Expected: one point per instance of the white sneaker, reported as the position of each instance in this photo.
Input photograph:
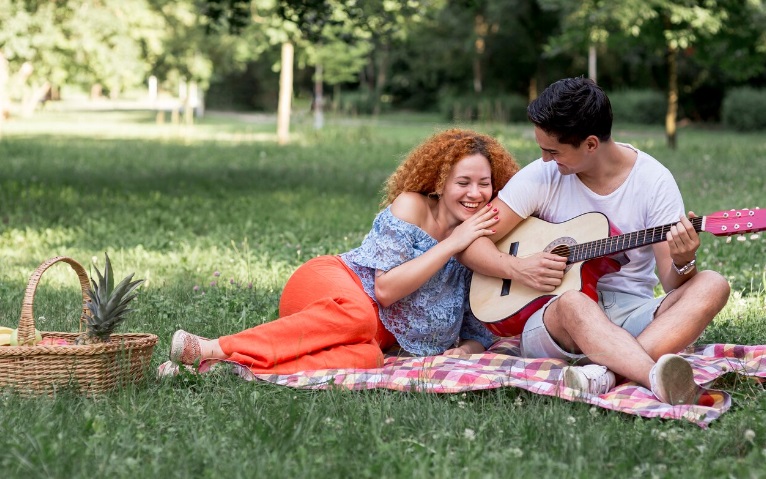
(591, 378)
(672, 380)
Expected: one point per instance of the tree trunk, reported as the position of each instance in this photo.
(380, 77)
(318, 99)
(5, 98)
(190, 102)
(480, 28)
(532, 88)
(336, 97)
(476, 75)
(672, 113)
(285, 94)
(33, 98)
(592, 59)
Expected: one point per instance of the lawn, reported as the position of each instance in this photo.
(216, 216)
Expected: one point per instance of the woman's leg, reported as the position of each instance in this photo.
(327, 321)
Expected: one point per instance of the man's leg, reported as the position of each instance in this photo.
(578, 325)
(684, 314)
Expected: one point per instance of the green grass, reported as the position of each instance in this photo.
(177, 204)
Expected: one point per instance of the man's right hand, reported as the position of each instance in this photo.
(541, 271)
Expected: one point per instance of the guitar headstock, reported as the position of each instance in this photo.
(735, 222)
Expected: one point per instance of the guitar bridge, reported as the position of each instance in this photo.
(505, 290)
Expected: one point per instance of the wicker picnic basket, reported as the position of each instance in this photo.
(90, 369)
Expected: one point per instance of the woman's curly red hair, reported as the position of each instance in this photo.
(425, 169)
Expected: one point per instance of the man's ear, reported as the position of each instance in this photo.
(592, 143)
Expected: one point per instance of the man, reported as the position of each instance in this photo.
(628, 332)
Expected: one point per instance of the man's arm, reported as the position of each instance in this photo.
(679, 249)
(541, 271)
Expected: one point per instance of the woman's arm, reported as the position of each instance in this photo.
(398, 282)
(541, 271)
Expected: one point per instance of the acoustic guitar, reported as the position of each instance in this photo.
(592, 250)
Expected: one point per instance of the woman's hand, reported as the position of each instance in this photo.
(478, 225)
(466, 347)
(402, 280)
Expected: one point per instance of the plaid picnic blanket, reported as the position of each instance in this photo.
(502, 366)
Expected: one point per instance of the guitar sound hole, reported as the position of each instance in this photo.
(561, 247)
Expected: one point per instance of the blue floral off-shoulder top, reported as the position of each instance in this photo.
(430, 320)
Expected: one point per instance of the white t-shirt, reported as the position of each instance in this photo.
(649, 197)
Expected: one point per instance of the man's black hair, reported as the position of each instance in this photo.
(572, 109)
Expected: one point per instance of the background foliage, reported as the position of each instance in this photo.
(410, 54)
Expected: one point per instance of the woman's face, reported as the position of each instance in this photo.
(468, 186)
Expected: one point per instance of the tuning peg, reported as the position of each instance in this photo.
(728, 239)
(754, 236)
(741, 238)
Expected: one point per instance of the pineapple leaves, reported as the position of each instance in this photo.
(108, 305)
(108, 275)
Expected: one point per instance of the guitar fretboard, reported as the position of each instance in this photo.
(624, 242)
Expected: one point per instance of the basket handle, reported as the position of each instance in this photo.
(26, 333)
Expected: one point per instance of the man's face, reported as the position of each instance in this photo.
(568, 158)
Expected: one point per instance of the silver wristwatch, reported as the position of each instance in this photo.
(685, 269)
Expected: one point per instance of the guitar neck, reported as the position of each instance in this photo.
(624, 242)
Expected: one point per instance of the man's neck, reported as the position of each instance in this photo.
(611, 167)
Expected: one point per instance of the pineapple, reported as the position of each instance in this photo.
(108, 305)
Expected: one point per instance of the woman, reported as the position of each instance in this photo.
(402, 285)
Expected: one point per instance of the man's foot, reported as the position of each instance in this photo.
(672, 380)
(591, 378)
(185, 347)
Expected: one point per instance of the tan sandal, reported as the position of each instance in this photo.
(185, 347)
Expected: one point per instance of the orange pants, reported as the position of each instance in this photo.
(326, 321)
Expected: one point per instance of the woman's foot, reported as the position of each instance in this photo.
(186, 348)
(169, 368)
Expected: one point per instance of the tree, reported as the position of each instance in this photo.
(113, 44)
(669, 26)
(340, 62)
(318, 25)
(476, 46)
(334, 44)
(533, 23)
(335, 62)
(79, 42)
(368, 25)
(274, 24)
(737, 53)
(228, 35)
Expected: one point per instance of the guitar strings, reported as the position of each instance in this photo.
(623, 242)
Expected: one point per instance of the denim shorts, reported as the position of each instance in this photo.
(628, 311)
